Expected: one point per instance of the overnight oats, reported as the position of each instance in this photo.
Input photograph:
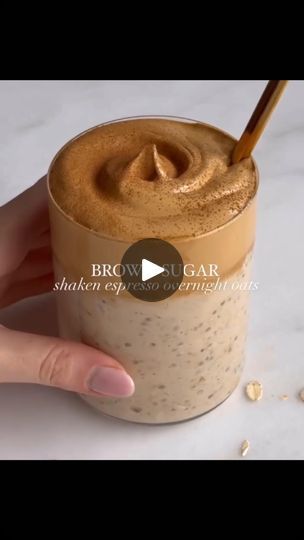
(169, 179)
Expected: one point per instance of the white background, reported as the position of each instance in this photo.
(36, 118)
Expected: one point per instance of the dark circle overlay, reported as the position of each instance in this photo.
(158, 287)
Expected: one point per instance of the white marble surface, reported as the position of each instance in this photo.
(36, 118)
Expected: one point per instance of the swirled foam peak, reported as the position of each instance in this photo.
(151, 178)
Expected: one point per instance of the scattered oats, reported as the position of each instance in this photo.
(301, 394)
(254, 390)
(245, 447)
(284, 397)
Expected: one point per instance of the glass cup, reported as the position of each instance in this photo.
(185, 353)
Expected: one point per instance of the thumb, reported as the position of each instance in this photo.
(29, 358)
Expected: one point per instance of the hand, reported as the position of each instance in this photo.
(26, 270)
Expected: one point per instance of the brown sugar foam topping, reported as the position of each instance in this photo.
(151, 178)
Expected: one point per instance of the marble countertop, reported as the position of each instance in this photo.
(36, 119)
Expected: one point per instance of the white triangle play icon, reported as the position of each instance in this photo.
(149, 269)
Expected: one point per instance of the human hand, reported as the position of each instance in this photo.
(26, 270)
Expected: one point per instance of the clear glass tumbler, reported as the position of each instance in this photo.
(185, 353)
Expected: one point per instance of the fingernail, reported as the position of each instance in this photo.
(110, 381)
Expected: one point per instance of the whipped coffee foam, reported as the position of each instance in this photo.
(151, 178)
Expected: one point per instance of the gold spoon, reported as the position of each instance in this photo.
(258, 120)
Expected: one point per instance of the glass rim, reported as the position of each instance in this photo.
(180, 239)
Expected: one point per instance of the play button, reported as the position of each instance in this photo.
(152, 270)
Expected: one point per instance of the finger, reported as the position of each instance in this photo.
(30, 358)
(21, 220)
(41, 241)
(37, 263)
(24, 289)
